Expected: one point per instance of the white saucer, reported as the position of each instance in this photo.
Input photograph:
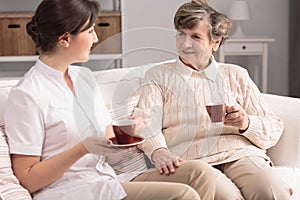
(138, 141)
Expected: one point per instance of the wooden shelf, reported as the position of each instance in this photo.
(105, 56)
(17, 58)
(34, 58)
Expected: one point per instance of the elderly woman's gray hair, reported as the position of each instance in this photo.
(189, 14)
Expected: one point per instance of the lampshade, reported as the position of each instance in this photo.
(239, 10)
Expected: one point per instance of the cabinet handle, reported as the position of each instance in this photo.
(244, 47)
(103, 24)
(14, 26)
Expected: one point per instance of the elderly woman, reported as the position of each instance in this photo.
(174, 100)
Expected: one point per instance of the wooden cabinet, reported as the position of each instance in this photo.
(249, 46)
(108, 29)
(14, 41)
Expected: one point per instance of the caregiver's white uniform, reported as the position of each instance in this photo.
(44, 118)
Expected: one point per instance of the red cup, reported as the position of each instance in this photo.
(124, 131)
(216, 112)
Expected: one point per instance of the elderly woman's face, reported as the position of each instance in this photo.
(194, 46)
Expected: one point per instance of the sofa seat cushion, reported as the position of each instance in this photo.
(10, 189)
(291, 175)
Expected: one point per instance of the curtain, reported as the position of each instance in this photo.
(294, 51)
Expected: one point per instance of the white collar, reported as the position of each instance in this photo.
(210, 72)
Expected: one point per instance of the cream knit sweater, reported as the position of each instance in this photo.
(173, 103)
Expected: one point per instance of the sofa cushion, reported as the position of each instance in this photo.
(5, 87)
(291, 175)
(120, 88)
(10, 189)
(287, 151)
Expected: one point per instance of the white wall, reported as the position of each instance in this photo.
(148, 33)
(269, 19)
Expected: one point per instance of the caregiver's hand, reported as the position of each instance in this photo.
(99, 146)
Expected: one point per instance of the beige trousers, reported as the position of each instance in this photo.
(192, 180)
(250, 178)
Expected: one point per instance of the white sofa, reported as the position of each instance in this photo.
(118, 87)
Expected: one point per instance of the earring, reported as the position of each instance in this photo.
(65, 44)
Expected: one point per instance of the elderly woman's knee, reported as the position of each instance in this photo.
(267, 192)
(198, 168)
(188, 193)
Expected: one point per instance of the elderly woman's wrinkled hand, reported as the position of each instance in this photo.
(165, 161)
(236, 116)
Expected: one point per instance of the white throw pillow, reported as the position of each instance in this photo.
(10, 189)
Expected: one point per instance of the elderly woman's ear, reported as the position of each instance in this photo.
(217, 44)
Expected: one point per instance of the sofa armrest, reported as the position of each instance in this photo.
(287, 151)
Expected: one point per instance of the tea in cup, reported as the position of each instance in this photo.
(216, 112)
(124, 131)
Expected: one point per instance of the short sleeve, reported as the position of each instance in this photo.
(23, 124)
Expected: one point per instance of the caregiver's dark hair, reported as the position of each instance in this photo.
(53, 18)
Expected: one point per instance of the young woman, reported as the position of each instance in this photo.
(56, 120)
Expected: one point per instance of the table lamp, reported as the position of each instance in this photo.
(239, 12)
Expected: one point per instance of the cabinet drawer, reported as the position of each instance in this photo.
(243, 47)
(14, 40)
(108, 29)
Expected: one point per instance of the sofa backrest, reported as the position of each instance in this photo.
(5, 86)
(287, 151)
(119, 88)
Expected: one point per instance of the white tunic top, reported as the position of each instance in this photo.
(44, 118)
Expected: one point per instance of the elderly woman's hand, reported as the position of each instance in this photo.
(237, 117)
(165, 161)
